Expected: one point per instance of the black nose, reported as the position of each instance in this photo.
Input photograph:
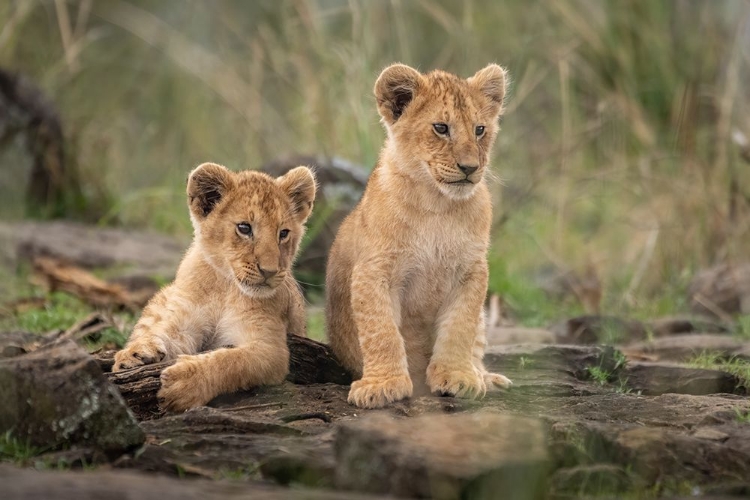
(267, 273)
(467, 170)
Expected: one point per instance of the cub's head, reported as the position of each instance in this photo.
(248, 225)
(441, 127)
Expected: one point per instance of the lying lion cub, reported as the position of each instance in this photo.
(233, 288)
(407, 274)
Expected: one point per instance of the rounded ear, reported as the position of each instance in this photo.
(206, 186)
(491, 81)
(299, 186)
(394, 90)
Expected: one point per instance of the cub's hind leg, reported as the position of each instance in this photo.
(169, 326)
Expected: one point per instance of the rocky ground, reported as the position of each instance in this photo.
(579, 421)
(664, 415)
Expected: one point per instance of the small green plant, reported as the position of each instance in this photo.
(742, 417)
(523, 362)
(251, 471)
(13, 449)
(620, 360)
(599, 375)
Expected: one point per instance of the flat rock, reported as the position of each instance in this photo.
(475, 455)
(597, 329)
(654, 378)
(550, 370)
(58, 395)
(500, 335)
(21, 484)
(684, 347)
(673, 325)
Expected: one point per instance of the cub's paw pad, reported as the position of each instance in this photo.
(462, 383)
(138, 354)
(182, 386)
(495, 380)
(376, 392)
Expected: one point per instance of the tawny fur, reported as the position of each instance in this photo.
(407, 274)
(231, 289)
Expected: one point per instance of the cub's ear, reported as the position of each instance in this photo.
(491, 81)
(206, 185)
(394, 90)
(299, 185)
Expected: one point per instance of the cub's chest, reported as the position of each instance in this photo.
(437, 251)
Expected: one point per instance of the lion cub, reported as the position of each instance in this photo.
(407, 274)
(234, 287)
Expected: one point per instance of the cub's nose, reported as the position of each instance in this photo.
(267, 273)
(467, 170)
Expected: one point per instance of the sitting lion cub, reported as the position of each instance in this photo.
(407, 274)
(234, 287)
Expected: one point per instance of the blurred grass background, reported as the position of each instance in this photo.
(616, 154)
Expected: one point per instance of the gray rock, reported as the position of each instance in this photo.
(58, 395)
(686, 346)
(478, 456)
(19, 484)
(660, 378)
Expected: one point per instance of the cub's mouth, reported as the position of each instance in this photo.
(260, 290)
(462, 181)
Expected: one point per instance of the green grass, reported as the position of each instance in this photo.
(609, 160)
(60, 312)
(16, 450)
(742, 417)
(599, 375)
(743, 326)
(740, 368)
(316, 324)
(249, 472)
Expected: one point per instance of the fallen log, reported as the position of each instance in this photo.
(310, 362)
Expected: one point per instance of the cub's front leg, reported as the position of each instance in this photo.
(262, 358)
(455, 367)
(163, 332)
(385, 374)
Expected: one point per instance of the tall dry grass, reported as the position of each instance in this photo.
(616, 151)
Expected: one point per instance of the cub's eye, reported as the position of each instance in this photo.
(244, 228)
(479, 130)
(440, 128)
(283, 234)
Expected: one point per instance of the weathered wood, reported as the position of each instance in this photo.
(310, 362)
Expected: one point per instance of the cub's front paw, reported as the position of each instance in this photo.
(376, 392)
(463, 382)
(139, 352)
(183, 385)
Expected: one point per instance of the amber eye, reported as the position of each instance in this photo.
(244, 228)
(440, 128)
(283, 234)
(479, 130)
